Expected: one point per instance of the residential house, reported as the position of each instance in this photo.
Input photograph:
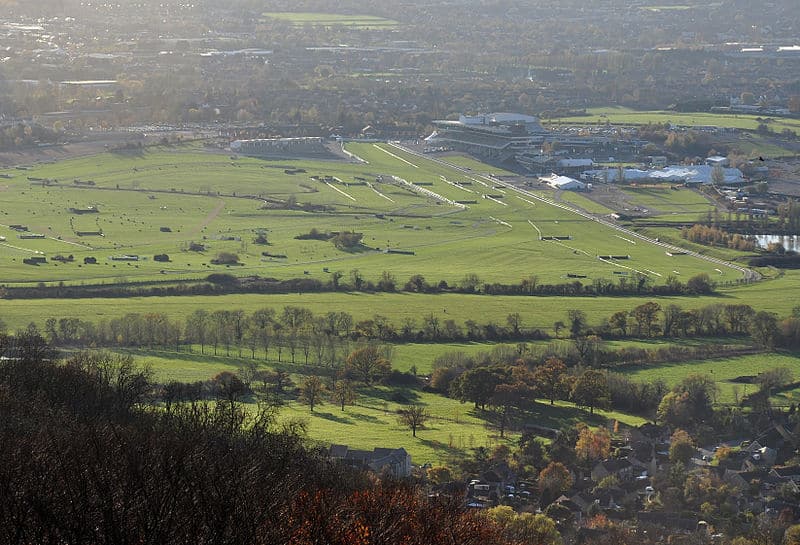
(787, 472)
(397, 462)
(621, 468)
(673, 521)
(653, 434)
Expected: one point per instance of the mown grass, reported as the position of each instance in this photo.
(160, 200)
(666, 200)
(465, 161)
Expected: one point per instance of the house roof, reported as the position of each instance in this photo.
(613, 465)
(377, 457)
(787, 471)
(669, 520)
(653, 431)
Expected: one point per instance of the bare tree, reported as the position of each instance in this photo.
(343, 392)
(312, 392)
(414, 417)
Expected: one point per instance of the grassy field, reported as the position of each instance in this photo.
(627, 116)
(668, 202)
(331, 19)
(723, 371)
(456, 426)
(771, 295)
(465, 161)
(160, 200)
(372, 421)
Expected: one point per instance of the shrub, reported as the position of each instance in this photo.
(225, 258)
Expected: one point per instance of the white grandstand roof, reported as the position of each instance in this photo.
(696, 174)
(499, 118)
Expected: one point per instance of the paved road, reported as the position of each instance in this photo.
(749, 274)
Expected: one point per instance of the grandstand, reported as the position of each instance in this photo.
(283, 147)
(500, 137)
(497, 136)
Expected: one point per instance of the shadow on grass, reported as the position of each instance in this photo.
(392, 394)
(555, 416)
(334, 418)
(366, 418)
(439, 447)
(232, 360)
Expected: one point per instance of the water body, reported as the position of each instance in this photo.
(790, 242)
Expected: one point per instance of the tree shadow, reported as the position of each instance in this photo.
(334, 418)
(440, 447)
(556, 416)
(399, 395)
(366, 418)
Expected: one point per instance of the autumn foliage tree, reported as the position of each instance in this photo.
(555, 478)
(592, 445)
(551, 379)
(591, 390)
(681, 447)
(389, 513)
(367, 364)
(524, 527)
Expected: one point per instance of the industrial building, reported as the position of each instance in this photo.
(565, 183)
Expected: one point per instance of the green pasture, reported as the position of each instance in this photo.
(665, 201)
(627, 116)
(672, 235)
(332, 19)
(580, 201)
(723, 372)
(454, 428)
(755, 145)
(158, 201)
(777, 295)
(190, 364)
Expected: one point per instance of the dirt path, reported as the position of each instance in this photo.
(209, 218)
